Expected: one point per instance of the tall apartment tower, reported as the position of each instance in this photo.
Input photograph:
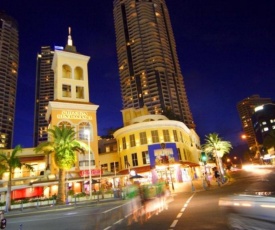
(246, 110)
(44, 93)
(150, 74)
(9, 61)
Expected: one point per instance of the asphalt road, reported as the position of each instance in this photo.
(197, 210)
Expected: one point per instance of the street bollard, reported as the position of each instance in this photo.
(21, 205)
(20, 227)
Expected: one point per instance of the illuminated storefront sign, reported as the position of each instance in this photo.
(86, 173)
(77, 115)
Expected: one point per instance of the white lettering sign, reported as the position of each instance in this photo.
(78, 115)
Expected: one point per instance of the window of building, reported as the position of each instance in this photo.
(179, 153)
(64, 124)
(143, 138)
(66, 71)
(181, 139)
(132, 140)
(80, 92)
(104, 167)
(264, 122)
(166, 136)
(114, 167)
(78, 73)
(155, 136)
(126, 162)
(145, 158)
(134, 159)
(123, 143)
(83, 128)
(175, 136)
(184, 153)
(66, 91)
(265, 129)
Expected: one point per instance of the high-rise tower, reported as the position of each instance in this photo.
(9, 58)
(246, 110)
(44, 93)
(149, 69)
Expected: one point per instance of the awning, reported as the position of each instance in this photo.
(138, 170)
(189, 164)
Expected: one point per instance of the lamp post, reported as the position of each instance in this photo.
(87, 132)
(258, 151)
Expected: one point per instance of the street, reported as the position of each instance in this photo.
(188, 210)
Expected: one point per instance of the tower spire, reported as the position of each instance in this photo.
(70, 41)
(70, 47)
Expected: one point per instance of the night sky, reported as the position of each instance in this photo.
(226, 50)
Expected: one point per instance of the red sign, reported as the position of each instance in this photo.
(86, 173)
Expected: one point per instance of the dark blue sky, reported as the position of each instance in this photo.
(226, 50)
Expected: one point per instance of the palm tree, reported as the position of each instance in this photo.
(63, 145)
(8, 164)
(215, 146)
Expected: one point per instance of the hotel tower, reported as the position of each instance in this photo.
(44, 93)
(149, 70)
(9, 57)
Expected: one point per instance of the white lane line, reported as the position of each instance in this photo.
(174, 224)
(118, 221)
(181, 212)
(107, 228)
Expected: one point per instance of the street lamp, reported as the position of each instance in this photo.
(87, 132)
(258, 151)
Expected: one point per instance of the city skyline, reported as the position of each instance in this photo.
(217, 45)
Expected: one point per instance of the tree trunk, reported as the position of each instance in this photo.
(8, 197)
(61, 199)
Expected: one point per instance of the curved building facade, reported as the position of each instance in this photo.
(153, 144)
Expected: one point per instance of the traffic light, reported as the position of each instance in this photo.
(203, 157)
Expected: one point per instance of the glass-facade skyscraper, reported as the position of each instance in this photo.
(9, 61)
(44, 93)
(149, 69)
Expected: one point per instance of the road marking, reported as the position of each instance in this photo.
(181, 212)
(174, 224)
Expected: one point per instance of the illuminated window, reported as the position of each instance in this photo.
(175, 135)
(79, 92)
(155, 136)
(132, 140)
(65, 124)
(145, 158)
(166, 136)
(66, 71)
(78, 73)
(123, 143)
(134, 159)
(143, 138)
(81, 130)
(66, 90)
